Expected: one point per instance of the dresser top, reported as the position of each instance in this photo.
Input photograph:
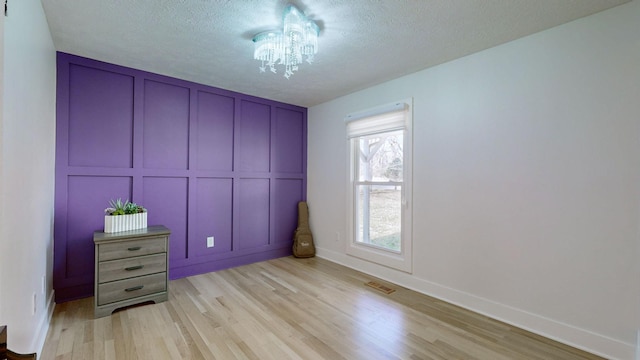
(156, 230)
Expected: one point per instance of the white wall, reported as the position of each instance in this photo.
(526, 181)
(27, 175)
(2, 242)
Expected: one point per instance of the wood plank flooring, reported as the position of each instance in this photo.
(290, 308)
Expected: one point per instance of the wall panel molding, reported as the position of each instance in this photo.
(203, 161)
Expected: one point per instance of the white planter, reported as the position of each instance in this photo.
(119, 223)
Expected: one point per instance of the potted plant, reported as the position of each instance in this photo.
(123, 216)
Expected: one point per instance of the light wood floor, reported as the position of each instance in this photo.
(290, 309)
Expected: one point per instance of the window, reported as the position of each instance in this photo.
(380, 185)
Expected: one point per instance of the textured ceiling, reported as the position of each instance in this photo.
(362, 42)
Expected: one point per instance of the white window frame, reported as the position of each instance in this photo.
(370, 122)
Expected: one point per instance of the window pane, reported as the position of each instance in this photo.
(380, 180)
(380, 157)
(379, 215)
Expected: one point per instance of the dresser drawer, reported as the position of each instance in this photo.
(131, 267)
(130, 248)
(131, 288)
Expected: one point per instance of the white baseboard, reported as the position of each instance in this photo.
(568, 334)
(43, 326)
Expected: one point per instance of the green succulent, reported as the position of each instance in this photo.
(118, 207)
(132, 208)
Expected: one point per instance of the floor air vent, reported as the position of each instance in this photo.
(380, 287)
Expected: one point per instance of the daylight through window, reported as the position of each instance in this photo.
(380, 151)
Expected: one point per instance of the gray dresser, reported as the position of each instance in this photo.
(131, 267)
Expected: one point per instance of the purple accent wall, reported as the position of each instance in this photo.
(254, 137)
(108, 97)
(203, 161)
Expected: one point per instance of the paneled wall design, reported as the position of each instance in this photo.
(203, 161)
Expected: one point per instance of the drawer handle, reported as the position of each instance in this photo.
(134, 288)
(134, 248)
(134, 268)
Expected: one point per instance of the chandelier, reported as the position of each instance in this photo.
(298, 39)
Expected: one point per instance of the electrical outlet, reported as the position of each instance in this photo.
(210, 241)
